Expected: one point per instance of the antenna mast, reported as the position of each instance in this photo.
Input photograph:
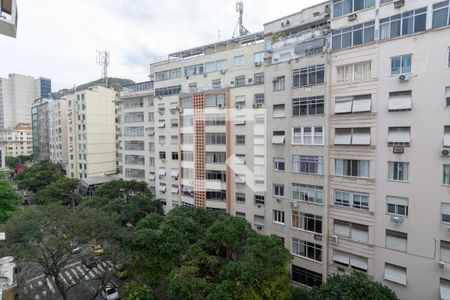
(241, 30)
(103, 62)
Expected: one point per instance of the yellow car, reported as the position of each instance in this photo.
(97, 249)
(120, 271)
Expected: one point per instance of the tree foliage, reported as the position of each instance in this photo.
(39, 176)
(60, 191)
(11, 161)
(121, 188)
(353, 286)
(9, 200)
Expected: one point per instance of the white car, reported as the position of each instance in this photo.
(110, 293)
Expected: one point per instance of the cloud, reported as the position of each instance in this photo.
(59, 39)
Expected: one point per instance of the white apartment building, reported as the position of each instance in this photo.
(91, 132)
(40, 123)
(57, 132)
(17, 141)
(17, 93)
(8, 18)
(352, 155)
(2, 158)
(389, 127)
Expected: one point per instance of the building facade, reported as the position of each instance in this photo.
(91, 133)
(18, 140)
(17, 93)
(40, 125)
(8, 18)
(57, 132)
(330, 129)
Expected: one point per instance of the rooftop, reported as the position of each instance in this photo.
(95, 180)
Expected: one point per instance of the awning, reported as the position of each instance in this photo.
(259, 220)
(278, 139)
(175, 190)
(162, 189)
(395, 274)
(399, 101)
(162, 172)
(173, 106)
(161, 124)
(174, 172)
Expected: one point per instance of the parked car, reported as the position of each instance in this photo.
(97, 249)
(110, 293)
(89, 261)
(120, 271)
(76, 250)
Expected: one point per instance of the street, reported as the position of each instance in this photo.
(45, 288)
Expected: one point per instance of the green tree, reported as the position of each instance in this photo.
(355, 286)
(122, 188)
(11, 161)
(60, 191)
(136, 291)
(9, 200)
(47, 234)
(39, 176)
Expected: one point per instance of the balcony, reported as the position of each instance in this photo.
(8, 17)
(137, 89)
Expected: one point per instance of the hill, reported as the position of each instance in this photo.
(115, 83)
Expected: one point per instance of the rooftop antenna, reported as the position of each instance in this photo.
(103, 62)
(242, 30)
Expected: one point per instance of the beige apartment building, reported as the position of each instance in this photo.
(40, 124)
(17, 140)
(91, 132)
(57, 132)
(339, 143)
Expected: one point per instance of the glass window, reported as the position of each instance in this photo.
(279, 83)
(398, 171)
(307, 249)
(308, 106)
(353, 35)
(403, 24)
(441, 14)
(309, 76)
(401, 64)
(239, 60)
(307, 164)
(356, 168)
(305, 276)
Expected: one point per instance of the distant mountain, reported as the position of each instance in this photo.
(115, 83)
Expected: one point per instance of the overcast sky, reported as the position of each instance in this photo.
(58, 39)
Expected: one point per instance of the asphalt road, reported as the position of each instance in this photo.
(41, 287)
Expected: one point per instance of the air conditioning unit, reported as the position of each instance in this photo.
(294, 204)
(334, 239)
(398, 149)
(259, 227)
(220, 105)
(250, 80)
(163, 160)
(278, 200)
(352, 17)
(442, 266)
(404, 77)
(237, 106)
(161, 112)
(399, 3)
(187, 77)
(205, 74)
(259, 205)
(255, 105)
(257, 64)
(396, 220)
(223, 71)
(231, 82)
(159, 97)
(180, 110)
(445, 152)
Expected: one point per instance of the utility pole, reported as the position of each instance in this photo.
(240, 30)
(103, 61)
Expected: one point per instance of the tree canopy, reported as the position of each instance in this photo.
(61, 191)
(11, 161)
(9, 200)
(39, 176)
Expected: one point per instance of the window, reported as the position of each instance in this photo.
(216, 175)
(241, 159)
(348, 167)
(216, 84)
(174, 140)
(401, 64)
(352, 136)
(308, 106)
(216, 195)
(447, 89)
(151, 147)
(151, 116)
(168, 74)
(397, 206)
(398, 171)
(308, 76)
(353, 35)
(445, 212)
(162, 155)
(396, 240)
(307, 222)
(278, 111)
(239, 120)
(447, 136)
(278, 83)
(239, 60)
(215, 138)
(278, 190)
(187, 138)
(350, 260)
(403, 24)
(186, 103)
(174, 155)
(134, 117)
(395, 274)
(343, 7)
(400, 100)
(240, 139)
(353, 104)
(351, 199)
(215, 100)
(354, 231)
(258, 139)
(214, 119)
(258, 78)
(278, 137)
(259, 100)
(240, 215)
(134, 131)
(240, 197)
(239, 80)
(134, 173)
(215, 157)
(307, 136)
(239, 101)
(259, 200)
(135, 159)
(134, 145)
(307, 249)
(446, 175)
(354, 72)
(278, 164)
(305, 276)
(217, 65)
(193, 70)
(307, 193)
(161, 123)
(399, 136)
(307, 164)
(278, 216)
(162, 139)
(445, 251)
(167, 91)
(173, 123)
(259, 57)
(441, 14)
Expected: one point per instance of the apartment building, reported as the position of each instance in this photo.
(8, 18)
(40, 123)
(17, 140)
(17, 93)
(388, 133)
(57, 132)
(296, 92)
(91, 132)
(2, 158)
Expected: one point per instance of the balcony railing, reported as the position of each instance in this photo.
(137, 88)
